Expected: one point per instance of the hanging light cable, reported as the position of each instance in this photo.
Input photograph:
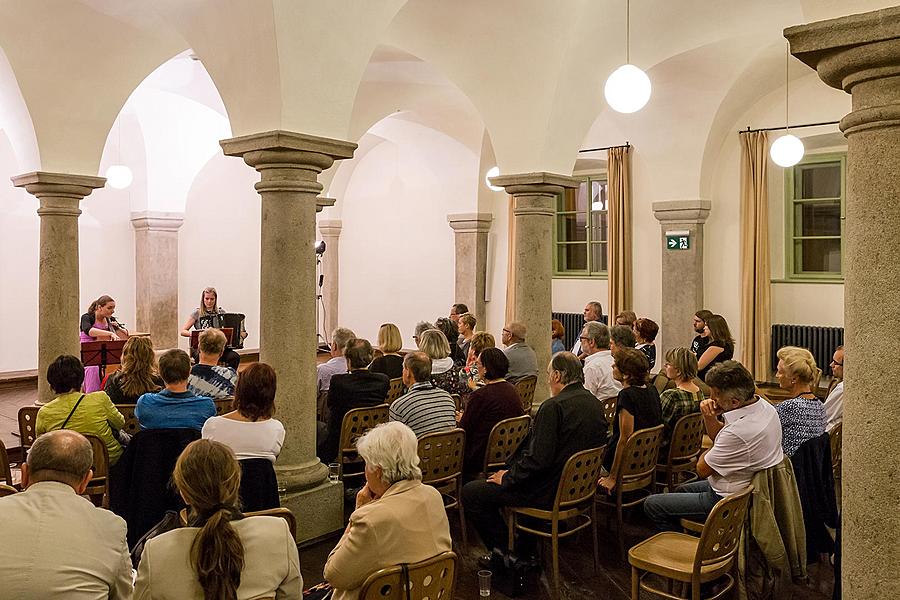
(628, 88)
(787, 150)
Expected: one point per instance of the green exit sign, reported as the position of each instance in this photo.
(678, 240)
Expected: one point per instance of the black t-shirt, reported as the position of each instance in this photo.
(643, 404)
(698, 346)
(727, 353)
(389, 364)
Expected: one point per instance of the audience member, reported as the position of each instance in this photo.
(451, 332)
(626, 318)
(469, 376)
(803, 415)
(398, 519)
(522, 359)
(645, 332)
(425, 408)
(208, 378)
(557, 333)
(684, 398)
(220, 554)
(389, 342)
(357, 389)
(567, 423)
(90, 414)
(749, 440)
(174, 407)
(466, 327)
(701, 341)
(421, 327)
(598, 361)
(593, 311)
(56, 544)
(136, 375)
(444, 373)
(637, 408)
(496, 400)
(249, 430)
(620, 337)
(456, 310)
(337, 363)
(720, 345)
(834, 403)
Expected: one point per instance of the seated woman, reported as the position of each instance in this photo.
(92, 413)
(719, 348)
(207, 315)
(645, 332)
(496, 400)
(466, 328)
(444, 374)
(220, 554)
(389, 342)
(557, 333)
(480, 341)
(451, 332)
(249, 430)
(803, 416)
(397, 519)
(137, 375)
(684, 398)
(637, 408)
(98, 324)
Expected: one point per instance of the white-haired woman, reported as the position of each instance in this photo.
(397, 519)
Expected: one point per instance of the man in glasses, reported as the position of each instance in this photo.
(834, 403)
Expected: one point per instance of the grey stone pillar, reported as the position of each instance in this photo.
(471, 237)
(58, 278)
(861, 55)
(156, 275)
(681, 301)
(534, 206)
(331, 234)
(289, 165)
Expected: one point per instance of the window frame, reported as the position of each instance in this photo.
(588, 242)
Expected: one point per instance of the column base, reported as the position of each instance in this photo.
(319, 510)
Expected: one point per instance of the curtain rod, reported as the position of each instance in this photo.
(748, 130)
(625, 145)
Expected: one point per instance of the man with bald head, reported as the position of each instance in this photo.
(56, 543)
(522, 359)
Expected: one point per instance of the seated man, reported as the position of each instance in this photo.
(834, 403)
(325, 371)
(748, 441)
(567, 423)
(598, 361)
(424, 408)
(522, 359)
(208, 378)
(357, 389)
(174, 407)
(593, 311)
(57, 544)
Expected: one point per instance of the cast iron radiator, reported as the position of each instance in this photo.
(574, 323)
(821, 341)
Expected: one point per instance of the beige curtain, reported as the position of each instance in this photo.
(619, 252)
(511, 265)
(755, 300)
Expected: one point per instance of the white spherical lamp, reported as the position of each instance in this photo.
(628, 89)
(119, 177)
(492, 172)
(786, 151)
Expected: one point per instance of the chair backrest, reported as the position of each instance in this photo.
(638, 467)
(5, 470)
(525, 387)
(395, 390)
(722, 530)
(131, 426)
(433, 578)
(579, 478)
(224, 405)
(835, 436)
(441, 456)
(504, 440)
(27, 422)
(358, 421)
(99, 483)
(7, 490)
(609, 408)
(282, 512)
(259, 485)
(687, 437)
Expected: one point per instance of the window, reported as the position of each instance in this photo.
(815, 191)
(580, 234)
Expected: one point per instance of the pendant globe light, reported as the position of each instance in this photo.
(119, 176)
(628, 88)
(492, 172)
(787, 150)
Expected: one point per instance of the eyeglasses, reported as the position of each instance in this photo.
(834, 362)
(583, 338)
(506, 331)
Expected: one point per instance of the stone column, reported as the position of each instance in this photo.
(331, 235)
(861, 55)
(534, 206)
(58, 285)
(471, 237)
(289, 165)
(156, 275)
(681, 301)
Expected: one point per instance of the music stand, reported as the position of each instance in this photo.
(102, 353)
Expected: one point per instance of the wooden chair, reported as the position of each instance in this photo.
(395, 390)
(98, 486)
(7, 490)
(684, 450)
(688, 559)
(282, 512)
(27, 423)
(504, 440)
(609, 410)
(433, 578)
(573, 502)
(525, 387)
(637, 473)
(224, 405)
(131, 423)
(357, 422)
(441, 460)
(5, 469)
(835, 436)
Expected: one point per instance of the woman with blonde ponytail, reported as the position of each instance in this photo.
(803, 415)
(220, 555)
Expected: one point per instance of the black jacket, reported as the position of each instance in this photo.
(356, 389)
(815, 482)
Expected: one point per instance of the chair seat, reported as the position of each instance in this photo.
(672, 555)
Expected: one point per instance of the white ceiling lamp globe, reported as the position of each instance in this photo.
(119, 177)
(786, 151)
(492, 172)
(628, 89)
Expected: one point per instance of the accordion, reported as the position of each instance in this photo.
(233, 321)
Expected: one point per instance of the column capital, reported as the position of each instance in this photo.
(149, 220)
(330, 227)
(59, 193)
(540, 182)
(322, 202)
(682, 211)
(470, 222)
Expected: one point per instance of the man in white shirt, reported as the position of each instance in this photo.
(592, 312)
(747, 442)
(598, 361)
(56, 543)
(522, 359)
(834, 403)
